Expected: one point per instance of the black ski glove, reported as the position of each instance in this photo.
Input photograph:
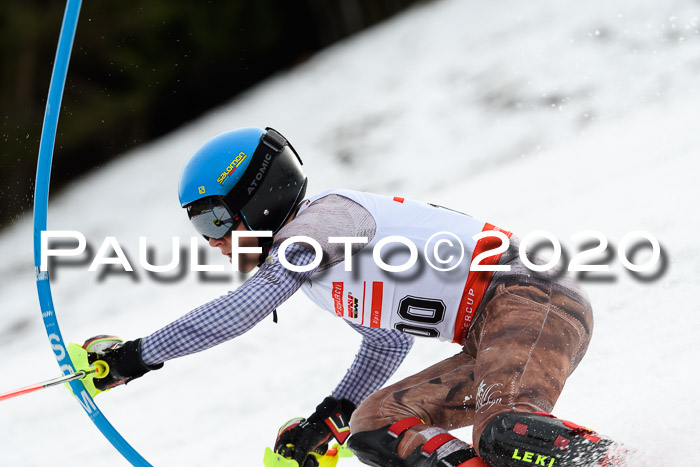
(299, 437)
(123, 358)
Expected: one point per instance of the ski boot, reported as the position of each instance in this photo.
(379, 448)
(539, 439)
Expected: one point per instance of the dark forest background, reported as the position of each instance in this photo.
(142, 68)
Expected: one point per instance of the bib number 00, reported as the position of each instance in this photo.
(418, 314)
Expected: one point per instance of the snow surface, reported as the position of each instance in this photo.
(563, 116)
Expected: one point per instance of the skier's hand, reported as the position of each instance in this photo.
(122, 358)
(299, 437)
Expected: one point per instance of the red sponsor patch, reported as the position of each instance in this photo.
(377, 297)
(338, 298)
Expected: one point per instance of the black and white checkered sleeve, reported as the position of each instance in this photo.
(380, 354)
(230, 315)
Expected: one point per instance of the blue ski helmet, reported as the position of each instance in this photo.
(247, 175)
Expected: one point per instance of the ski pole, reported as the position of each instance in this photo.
(99, 368)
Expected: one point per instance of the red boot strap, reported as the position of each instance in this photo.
(435, 442)
(398, 428)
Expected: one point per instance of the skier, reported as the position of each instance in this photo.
(522, 332)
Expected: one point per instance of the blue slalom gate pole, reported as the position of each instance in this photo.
(41, 199)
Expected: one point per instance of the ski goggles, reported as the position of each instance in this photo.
(212, 219)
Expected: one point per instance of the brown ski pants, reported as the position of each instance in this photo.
(519, 352)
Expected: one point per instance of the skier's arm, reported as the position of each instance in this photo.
(380, 354)
(210, 324)
(230, 315)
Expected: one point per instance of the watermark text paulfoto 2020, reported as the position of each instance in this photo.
(444, 251)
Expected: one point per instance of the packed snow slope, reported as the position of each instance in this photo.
(562, 116)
